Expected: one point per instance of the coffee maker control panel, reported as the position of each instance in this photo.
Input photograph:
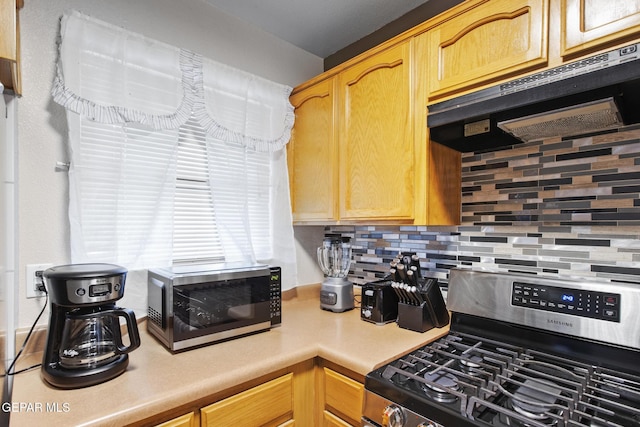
(97, 290)
(85, 284)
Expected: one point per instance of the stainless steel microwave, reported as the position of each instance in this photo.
(197, 305)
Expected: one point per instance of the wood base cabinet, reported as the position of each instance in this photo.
(330, 420)
(283, 398)
(267, 404)
(312, 393)
(186, 420)
(340, 396)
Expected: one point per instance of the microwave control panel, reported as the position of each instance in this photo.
(577, 302)
(275, 296)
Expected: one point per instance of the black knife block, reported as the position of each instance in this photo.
(414, 317)
(432, 313)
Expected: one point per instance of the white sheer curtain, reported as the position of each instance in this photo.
(127, 98)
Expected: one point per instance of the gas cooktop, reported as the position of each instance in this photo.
(528, 371)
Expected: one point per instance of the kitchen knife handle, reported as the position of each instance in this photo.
(393, 275)
(415, 266)
(411, 278)
(402, 273)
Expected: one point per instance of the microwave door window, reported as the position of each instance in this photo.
(206, 307)
(240, 312)
(203, 308)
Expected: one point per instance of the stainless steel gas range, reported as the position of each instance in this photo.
(522, 351)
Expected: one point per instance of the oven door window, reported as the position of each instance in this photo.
(207, 308)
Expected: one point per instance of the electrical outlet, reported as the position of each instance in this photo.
(34, 279)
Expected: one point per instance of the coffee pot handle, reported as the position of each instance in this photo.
(132, 328)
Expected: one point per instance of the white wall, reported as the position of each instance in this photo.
(8, 239)
(191, 24)
(4, 207)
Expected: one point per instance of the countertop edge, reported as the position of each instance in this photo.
(340, 338)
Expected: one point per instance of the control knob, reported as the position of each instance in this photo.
(392, 416)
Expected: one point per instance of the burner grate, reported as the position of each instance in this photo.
(498, 384)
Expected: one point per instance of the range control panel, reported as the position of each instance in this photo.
(577, 302)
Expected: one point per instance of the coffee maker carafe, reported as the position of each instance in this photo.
(84, 343)
(334, 257)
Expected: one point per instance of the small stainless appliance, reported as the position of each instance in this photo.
(84, 343)
(379, 302)
(522, 350)
(196, 305)
(334, 257)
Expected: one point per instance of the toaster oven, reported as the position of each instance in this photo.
(193, 306)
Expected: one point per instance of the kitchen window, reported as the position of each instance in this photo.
(174, 158)
(195, 235)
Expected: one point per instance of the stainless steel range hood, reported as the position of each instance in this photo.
(594, 94)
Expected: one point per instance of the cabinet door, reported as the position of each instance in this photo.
(342, 397)
(311, 154)
(10, 45)
(491, 40)
(592, 24)
(270, 403)
(376, 138)
(330, 420)
(187, 420)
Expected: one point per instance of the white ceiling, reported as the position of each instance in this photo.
(321, 27)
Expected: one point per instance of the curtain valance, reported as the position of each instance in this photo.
(162, 87)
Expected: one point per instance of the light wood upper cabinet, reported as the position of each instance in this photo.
(376, 140)
(488, 41)
(360, 149)
(10, 45)
(312, 154)
(588, 25)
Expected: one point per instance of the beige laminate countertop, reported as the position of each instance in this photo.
(157, 380)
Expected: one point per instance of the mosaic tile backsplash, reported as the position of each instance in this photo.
(568, 207)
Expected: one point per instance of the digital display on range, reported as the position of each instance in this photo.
(593, 304)
(556, 295)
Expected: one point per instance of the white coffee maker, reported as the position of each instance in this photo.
(334, 257)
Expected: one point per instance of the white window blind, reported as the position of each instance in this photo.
(195, 236)
(242, 180)
(237, 172)
(107, 155)
(121, 184)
